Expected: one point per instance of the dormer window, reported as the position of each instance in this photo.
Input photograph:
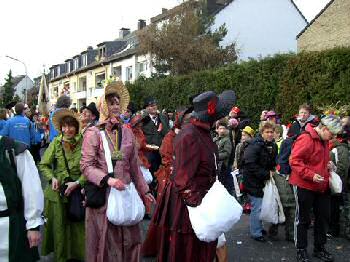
(102, 52)
(68, 66)
(84, 60)
(58, 70)
(76, 63)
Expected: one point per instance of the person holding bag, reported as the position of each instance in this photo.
(64, 231)
(105, 241)
(194, 174)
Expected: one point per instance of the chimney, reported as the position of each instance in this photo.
(89, 48)
(141, 24)
(123, 32)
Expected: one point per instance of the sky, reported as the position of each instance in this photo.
(42, 33)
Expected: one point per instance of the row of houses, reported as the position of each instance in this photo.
(259, 28)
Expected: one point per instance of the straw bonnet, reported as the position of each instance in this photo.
(60, 114)
(114, 87)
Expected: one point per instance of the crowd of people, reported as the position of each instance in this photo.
(170, 160)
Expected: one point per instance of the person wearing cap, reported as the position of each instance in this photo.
(106, 242)
(19, 127)
(155, 127)
(309, 162)
(60, 166)
(89, 116)
(21, 203)
(234, 112)
(340, 157)
(62, 102)
(194, 173)
(247, 135)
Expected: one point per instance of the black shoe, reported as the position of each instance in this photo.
(260, 239)
(273, 231)
(322, 254)
(302, 255)
(146, 217)
(263, 232)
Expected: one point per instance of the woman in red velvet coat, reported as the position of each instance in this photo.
(170, 236)
(167, 150)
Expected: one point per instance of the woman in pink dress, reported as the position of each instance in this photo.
(106, 242)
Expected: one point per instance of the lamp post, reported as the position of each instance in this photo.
(26, 75)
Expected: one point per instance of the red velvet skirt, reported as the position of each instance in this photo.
(170, 236)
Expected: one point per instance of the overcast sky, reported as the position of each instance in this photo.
(46, 32)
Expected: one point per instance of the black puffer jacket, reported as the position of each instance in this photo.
(258, 160)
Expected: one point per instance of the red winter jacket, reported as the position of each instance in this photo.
(310, 156)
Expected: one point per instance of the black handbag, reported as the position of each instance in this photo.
(95, 195)
(76, 210)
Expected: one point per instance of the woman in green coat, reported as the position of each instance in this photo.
(62, 236)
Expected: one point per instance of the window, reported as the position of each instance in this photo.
(68, 69)
(102, 52)
(99, 80)
(76, 63)
(82, 84)
(117, 71)
(58, 70)
(84, 60)
(143, 66)
(52, 73)
(128, 73)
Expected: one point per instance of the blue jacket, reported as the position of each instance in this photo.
(53, 131)
(20, 129)
(2, 124)
(38, 134)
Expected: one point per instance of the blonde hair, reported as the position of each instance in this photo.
(266, 125)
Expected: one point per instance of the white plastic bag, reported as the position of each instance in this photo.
(125, 207)
(335, 183)
(146, 175)
(217, 213)
(234, 174)
(271, 208)
(221, 241)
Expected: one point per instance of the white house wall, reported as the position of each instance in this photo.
(261, 27)
(25, 84)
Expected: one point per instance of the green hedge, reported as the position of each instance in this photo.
(281, 82)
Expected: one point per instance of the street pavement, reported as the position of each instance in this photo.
(241, 248)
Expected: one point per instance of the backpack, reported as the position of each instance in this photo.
(283, 165)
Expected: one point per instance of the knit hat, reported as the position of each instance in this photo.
(333, 123)
(250, 131)
(233, 122)
(235, 110)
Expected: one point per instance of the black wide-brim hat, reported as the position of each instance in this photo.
(92, 107)
(208, 107)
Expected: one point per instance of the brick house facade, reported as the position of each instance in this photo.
(329, 29)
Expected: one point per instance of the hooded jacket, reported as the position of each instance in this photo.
(258, 160)
(310, 156)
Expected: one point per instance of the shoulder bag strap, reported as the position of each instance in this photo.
(65, 159)
(108, 155)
